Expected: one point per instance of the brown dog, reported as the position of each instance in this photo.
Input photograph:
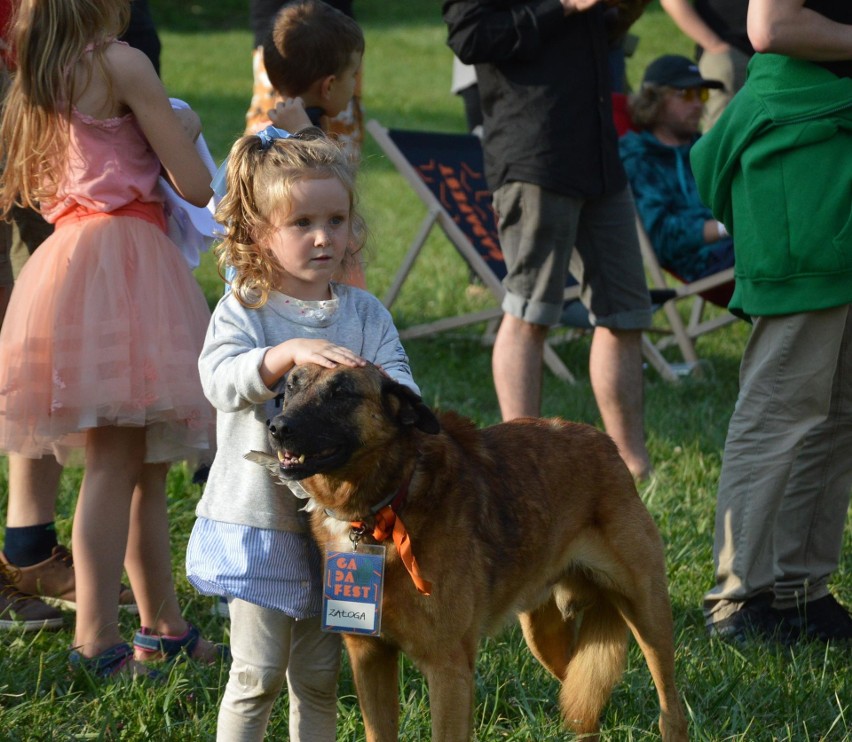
(535, 518)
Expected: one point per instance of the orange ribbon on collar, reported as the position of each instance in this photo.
(388, 524)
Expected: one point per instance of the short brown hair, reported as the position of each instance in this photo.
(310, 40)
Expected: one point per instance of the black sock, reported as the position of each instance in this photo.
(30, 545)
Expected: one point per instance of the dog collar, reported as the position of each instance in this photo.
(388, 524)
(394, 498)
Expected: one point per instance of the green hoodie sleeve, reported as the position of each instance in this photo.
(715, 158)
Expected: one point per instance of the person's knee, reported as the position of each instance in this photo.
(531, 330)
(316, 689)
(619, 337)
(255, 685)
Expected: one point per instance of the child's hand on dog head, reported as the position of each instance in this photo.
(280, 359)
(321, 352)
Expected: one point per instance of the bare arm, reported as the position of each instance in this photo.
(683, 13)
(787, 27)
(138, 87)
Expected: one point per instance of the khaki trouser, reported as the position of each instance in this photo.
(787, 470)
(269, 648)
(729, 68)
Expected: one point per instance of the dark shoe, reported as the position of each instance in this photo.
(115, 662)
(151, 647)
(824, 620)
(23, 612)
(755, 619)
(53, 581)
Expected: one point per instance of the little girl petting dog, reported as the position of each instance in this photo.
(290, 226)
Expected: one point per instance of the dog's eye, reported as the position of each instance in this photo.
(338, 388)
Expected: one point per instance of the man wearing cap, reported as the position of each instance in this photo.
(666, 111)
(551, 160)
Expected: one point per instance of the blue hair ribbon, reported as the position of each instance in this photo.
(267, 136)
(270, 134)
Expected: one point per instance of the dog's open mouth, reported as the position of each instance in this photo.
(294, 465)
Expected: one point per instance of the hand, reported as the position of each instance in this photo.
(299, 351)
(322, 352)
(289, 115)
(190, 122)
(721, 48)
(578, 6)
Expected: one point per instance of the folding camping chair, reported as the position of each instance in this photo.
(715, 289)
(446, 172)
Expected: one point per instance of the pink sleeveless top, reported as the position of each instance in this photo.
(110, 165)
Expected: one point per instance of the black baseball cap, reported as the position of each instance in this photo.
(675, 71)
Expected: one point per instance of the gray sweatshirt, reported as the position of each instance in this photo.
(240, 491)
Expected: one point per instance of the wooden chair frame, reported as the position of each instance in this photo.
(680, 333)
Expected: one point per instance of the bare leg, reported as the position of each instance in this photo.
(615, 368)
(517, 367)
(33, 484)
(148, 558)
(114, 459)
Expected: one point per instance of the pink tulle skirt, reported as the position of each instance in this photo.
(104, 327)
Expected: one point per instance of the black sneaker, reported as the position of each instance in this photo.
(824, 620)
(23, 612)
(755, 619)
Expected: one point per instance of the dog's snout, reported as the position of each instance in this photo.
(277, 428)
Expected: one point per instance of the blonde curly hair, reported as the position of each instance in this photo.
(260, 177)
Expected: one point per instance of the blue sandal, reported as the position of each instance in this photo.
(164, 647)
(110, 663)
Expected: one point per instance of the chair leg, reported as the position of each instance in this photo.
(657, 361)
(696, 314)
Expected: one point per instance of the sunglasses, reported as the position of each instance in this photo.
(691, 94)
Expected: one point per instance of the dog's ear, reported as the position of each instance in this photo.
(409, 408)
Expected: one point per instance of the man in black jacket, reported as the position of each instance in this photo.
(552, 162)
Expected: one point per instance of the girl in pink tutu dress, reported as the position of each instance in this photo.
(100, 344)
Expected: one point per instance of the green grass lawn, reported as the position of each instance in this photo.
(751, 693)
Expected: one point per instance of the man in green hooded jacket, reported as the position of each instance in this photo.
(776, 169)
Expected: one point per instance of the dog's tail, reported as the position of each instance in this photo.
(596, 665)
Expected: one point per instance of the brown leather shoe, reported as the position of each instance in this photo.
(53, 581)
(23, 612)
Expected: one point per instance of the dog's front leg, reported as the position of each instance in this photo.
(451, 692)
(375, 667)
